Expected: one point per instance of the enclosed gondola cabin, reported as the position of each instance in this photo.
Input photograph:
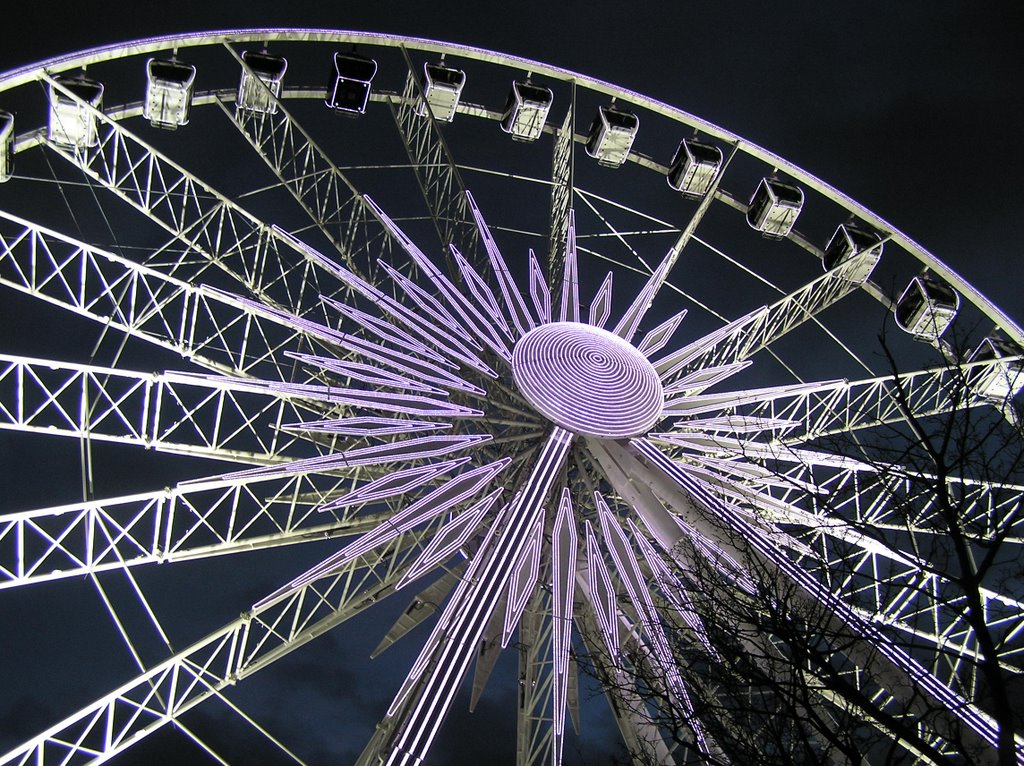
(611, 136)
(71, 122)
(926, 308)
(526, 111)
(350, 90)
(169, 86)
(442, 88)
(694, 167)
(1001, 381)
(6, 145)
(261, 83)
(774, 208)
(849, 241)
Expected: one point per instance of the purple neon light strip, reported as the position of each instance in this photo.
(469, 315)
(388, 333)
(366, 426)
(524, 579)
(633, 580)
(673, 590)
(601, 306)
(440, 500)
(699, 380)
(449, 539)
(395, 483)
(564, 550)
(482, 293)
(365, 373)
(602, 595)
(570, 308)
(816, 590)
(540, 294)
(517, 310)
(659, 337)
(470, 610)
(669, 365)
(407, 449)
(448, 332)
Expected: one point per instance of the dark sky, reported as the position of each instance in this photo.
(913, 108)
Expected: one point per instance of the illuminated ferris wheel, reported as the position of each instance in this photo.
(563, 369)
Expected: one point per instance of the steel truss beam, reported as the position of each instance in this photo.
(198, 216)
(891, 663)
(561, 198)
(205, 669)
(330, 200)
(902, 588)
(168, 412)
(850, 406)
(208, 328)
(535, 721)
(765, 327)
(438, 176)
(197, 520)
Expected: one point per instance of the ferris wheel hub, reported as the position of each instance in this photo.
(587, 380)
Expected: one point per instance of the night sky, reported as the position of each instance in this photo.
(914, 109)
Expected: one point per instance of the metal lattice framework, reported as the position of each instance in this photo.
(438, 355)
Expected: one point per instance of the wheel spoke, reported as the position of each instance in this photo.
(168, 412)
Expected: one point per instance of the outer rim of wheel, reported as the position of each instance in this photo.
(29, 73)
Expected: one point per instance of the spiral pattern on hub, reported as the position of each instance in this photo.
(587, 380)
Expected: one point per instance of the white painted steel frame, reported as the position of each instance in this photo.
(161, 305)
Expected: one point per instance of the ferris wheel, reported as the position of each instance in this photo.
(340, 324)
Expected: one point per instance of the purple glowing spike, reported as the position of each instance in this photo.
(464, 308)
(423, 328)
(633, 580)
(447, 330)
(564, 549)
(657, 338)
(395, 483)
(440, 500)
(669, 365)
(570, 308)
(601, 307)
(627, 326)
(696, 405)
(672, 589)
(449, 539)
(523, 581)
(377, 454)
(386, 331)
(602, 595)
(407, 404)
(699, 380)
(479, 289)
(539, 291)
(366, 426)
(375, 376)
(521, 318)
